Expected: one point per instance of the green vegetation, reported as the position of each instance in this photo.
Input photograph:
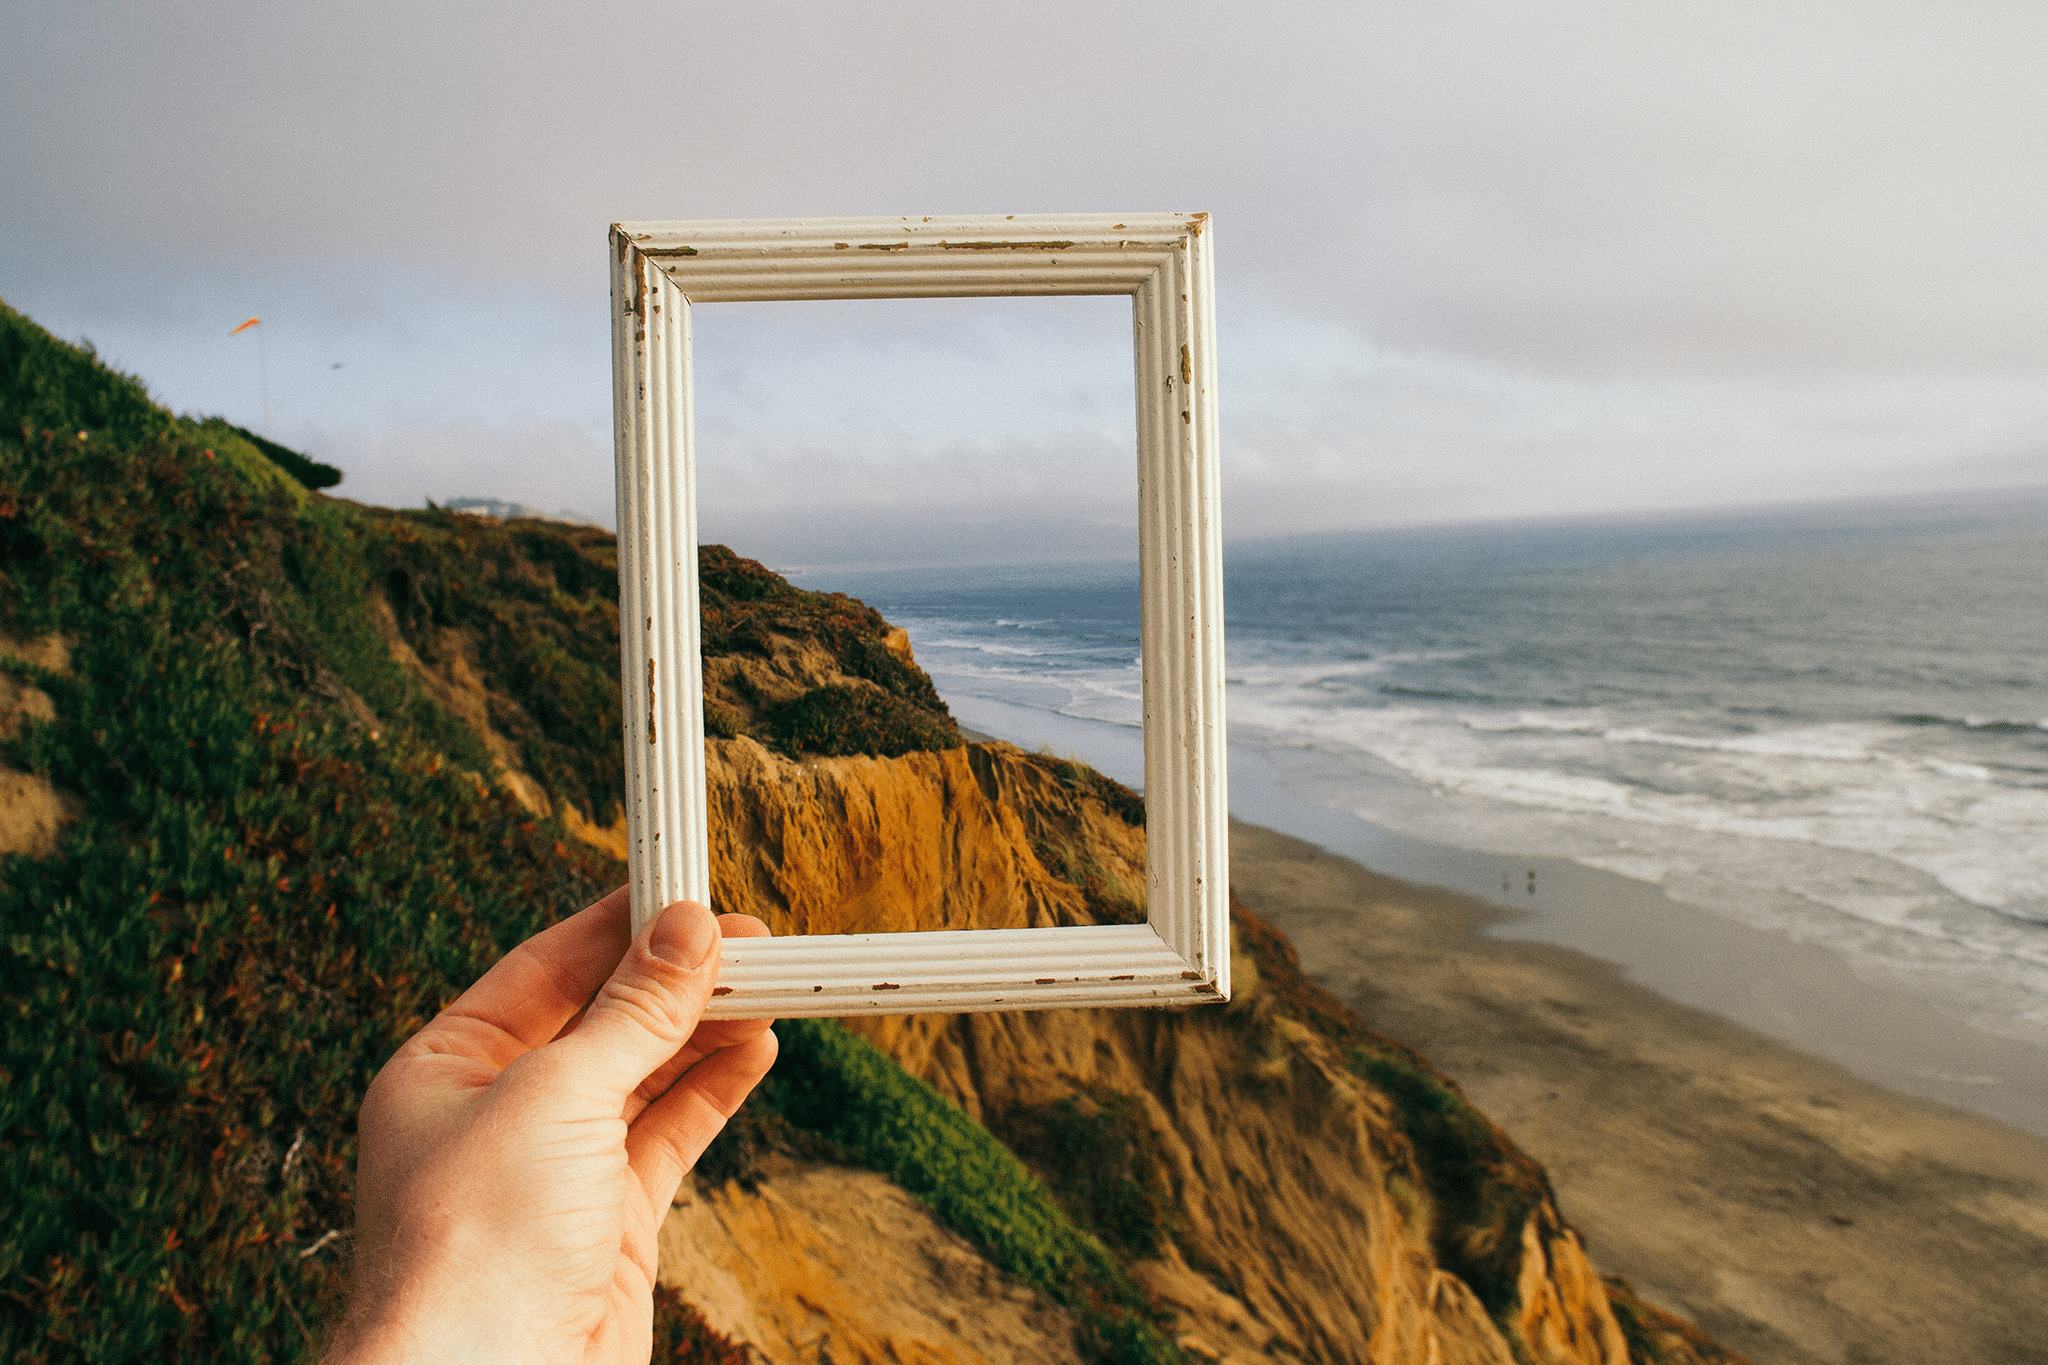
(528, 610)
(47, 386)
(836, 1085)
(289, 854)
(1482, 1187)
(843, 719)
(746, 607)
(1082, 780)
(288, 857)
(309, 472)
(1111, 898)
(1114, 894)
(264, 894)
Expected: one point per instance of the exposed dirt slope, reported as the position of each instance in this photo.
(1298, 1218)
(817, 1262)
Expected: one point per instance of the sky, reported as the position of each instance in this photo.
(1473, 260)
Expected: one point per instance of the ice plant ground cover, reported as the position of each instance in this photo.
(284, 859)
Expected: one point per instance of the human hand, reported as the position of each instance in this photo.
(517, 1155)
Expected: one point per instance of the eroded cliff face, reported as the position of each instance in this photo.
(1298, 1220)
(959, 839)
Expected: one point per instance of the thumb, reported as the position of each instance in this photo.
(644, 1014)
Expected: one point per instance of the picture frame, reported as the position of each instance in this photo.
(1181, 954)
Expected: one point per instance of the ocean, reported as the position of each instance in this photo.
(1827, 724)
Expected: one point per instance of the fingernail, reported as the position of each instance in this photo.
(685, 936)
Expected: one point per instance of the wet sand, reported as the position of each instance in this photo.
(1796, 1211)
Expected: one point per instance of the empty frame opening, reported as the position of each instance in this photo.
(665, 276)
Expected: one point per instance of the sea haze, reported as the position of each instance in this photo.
(1830, 724)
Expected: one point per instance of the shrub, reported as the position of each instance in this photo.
(45, 384)
(310, 473)
(721, 721)
(744, 605)
(1083, 780)
(1481, 1188)
(1100, 1159)
(845, 719)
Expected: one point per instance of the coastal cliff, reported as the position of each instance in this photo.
(281, 774)
(1298, 1211)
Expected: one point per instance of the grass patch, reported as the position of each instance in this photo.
(46, 385)
(1082, 780)
(1111, 900)
(310, 473)
(835, 1084)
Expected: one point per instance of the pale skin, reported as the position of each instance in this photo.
(517, 1155)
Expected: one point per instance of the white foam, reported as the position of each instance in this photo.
(1829, 786)
(1919, 851)
(982, 647)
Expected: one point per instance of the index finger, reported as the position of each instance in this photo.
(523, 1001)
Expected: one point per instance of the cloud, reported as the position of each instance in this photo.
(1474, 257)
(1378, 438)
(1583, 185)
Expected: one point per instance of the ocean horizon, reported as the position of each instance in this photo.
(1828, 725)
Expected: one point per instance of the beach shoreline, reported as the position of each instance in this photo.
(1797, 1211)
(1801, 995)
(1810, 1166)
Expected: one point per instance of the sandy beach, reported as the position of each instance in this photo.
(1799, 1213)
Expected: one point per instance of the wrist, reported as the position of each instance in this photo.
(411, 1318)
(402, 1333)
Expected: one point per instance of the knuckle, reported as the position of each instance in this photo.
(647, 1002)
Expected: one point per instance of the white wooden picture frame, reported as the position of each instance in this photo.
(1162, 260)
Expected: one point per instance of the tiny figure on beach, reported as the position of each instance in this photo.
(1532, 881)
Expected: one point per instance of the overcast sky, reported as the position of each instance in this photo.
(1473, 260)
